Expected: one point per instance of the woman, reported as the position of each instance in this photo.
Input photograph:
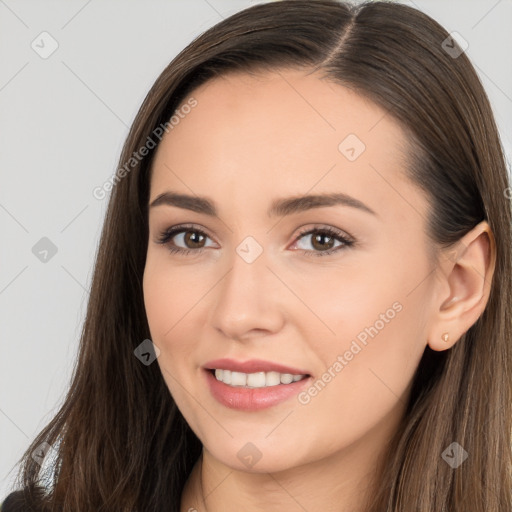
(223, 366)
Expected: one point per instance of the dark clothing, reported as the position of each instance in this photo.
(15, 502)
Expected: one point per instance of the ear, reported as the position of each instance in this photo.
(464, 285)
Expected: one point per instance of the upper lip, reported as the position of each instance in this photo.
(252, 366)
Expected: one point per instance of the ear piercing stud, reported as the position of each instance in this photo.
(445, 337)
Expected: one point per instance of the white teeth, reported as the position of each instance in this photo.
(286, 378)
(238, 379)
(272, 379)
(255, 380)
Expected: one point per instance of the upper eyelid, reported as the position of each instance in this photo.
(324, 227)
(302, 231)
(184, 228)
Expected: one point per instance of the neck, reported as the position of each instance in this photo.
(342, 482)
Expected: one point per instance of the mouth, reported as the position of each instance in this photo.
(251, 392)
(255, 380)
(253, 384)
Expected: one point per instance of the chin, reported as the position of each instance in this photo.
(257, 457)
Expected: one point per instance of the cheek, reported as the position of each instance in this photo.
(369, 338)
(172, 299)
(363, 384)
(175, 329)
(169, 292)
(158, 300)
(167, 300)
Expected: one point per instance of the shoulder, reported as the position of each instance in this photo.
(15, 502)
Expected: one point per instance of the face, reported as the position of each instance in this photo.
(337, 291)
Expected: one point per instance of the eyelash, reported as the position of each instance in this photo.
(168, 234)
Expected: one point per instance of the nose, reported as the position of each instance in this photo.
(249, 300)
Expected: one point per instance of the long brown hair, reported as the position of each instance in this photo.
(121, 443)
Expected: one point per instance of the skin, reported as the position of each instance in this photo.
(252, 139)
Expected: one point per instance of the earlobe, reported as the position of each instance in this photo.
(443, 342)
(468, 278)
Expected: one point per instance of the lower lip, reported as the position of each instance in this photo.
(252, 399)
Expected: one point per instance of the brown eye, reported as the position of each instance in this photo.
(323, 240)
(193, 239)
(183, 239)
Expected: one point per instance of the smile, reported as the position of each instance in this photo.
(242, 397)
(255, 380)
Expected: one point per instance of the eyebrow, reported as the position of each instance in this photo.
(279, 207)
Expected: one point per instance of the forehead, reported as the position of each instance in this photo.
(304, 103)
(281, 133)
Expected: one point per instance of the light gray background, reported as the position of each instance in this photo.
(62, 125)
